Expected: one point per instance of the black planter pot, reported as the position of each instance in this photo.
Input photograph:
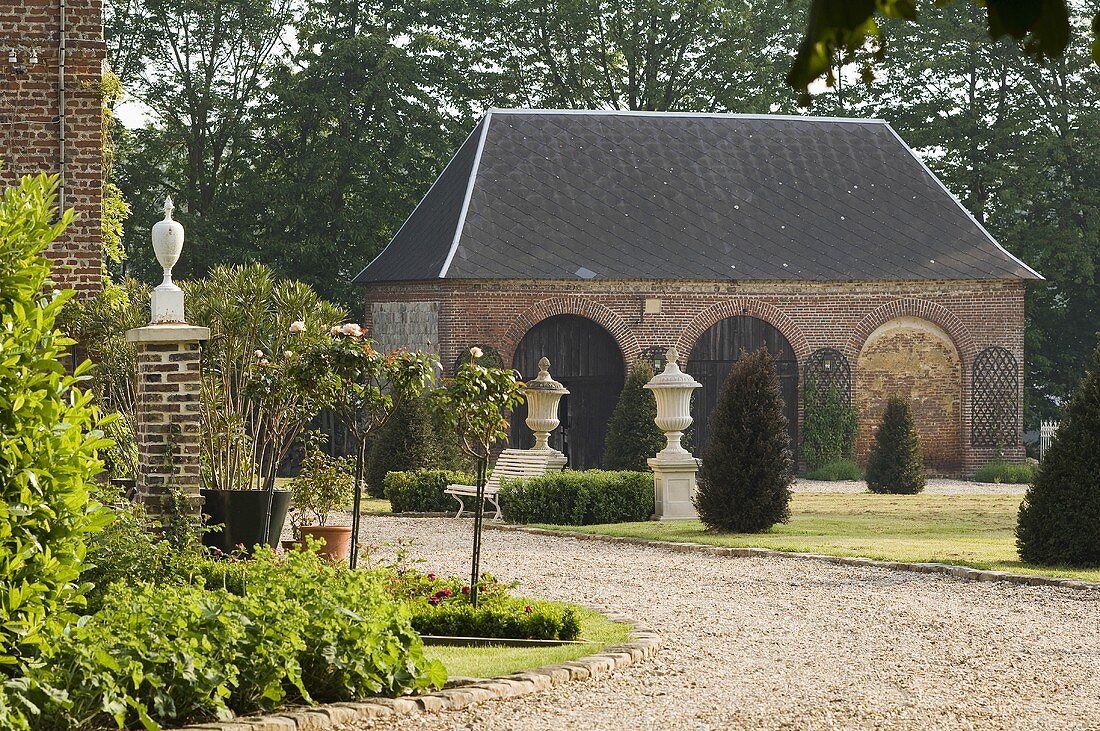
(241, 513)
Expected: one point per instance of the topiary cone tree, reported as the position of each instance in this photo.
(408, 441)
(895, 464)
(1059, 519)
(745, 480)
(632, 434)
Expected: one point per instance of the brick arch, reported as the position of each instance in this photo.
(934, 313)
(572, 305)
(737, 307)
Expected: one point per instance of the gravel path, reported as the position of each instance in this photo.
(783, 643)
(935, 486)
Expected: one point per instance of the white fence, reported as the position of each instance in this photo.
(1047, 430)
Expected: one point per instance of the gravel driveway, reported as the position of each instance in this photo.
(784, 643)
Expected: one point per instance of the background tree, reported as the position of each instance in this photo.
(745, 480)
(895, 464)
(632, 435)
(698, 55)
(1059, 520)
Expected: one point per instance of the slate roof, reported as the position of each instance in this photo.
(551, 194)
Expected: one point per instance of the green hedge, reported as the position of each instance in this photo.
(843, 469)
(421, 491)
(512, 617)
(578, 498)
(1005, 472)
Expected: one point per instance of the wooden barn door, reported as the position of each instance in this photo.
(715, 353)
(585, 359)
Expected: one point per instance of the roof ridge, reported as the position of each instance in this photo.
(673, 113)
(486, 121)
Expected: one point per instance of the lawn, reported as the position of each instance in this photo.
(491, 661)
(972, 530)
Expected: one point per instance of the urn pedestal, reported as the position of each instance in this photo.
(674, 468)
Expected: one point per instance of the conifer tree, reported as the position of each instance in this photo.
(745, 480)
(1059, 519)
(632, 435)
(408, 441)
(895, 464)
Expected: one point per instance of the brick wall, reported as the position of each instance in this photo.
(915, 360)
(811, 315)
(30, 128)
(167, 426)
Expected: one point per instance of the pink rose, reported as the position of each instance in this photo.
(476, 352)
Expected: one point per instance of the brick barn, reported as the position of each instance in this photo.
(597, 238)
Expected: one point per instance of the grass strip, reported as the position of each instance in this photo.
(493, 660)
(969, 530)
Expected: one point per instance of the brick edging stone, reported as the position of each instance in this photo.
(641, 643)
(959, 572)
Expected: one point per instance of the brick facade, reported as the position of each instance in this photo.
(972, 315)
(30, 120)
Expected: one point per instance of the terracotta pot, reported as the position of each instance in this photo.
(289, 546)
(337, 540)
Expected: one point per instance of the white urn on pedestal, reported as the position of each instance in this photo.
(674, 468)
(167, 298)
(543, 395)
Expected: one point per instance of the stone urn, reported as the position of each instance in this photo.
(543, 396)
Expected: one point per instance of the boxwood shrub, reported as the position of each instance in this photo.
(421, 491)
(578, 498)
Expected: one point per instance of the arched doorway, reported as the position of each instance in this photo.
(715, 352)
(586, 359)
(915, 359)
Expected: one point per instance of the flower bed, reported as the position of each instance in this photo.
(441, 606)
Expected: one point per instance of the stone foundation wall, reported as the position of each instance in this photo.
(642, 314)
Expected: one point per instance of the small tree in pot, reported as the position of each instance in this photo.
(326, 484)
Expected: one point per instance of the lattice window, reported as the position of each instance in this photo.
(827, 369)
(996, 399)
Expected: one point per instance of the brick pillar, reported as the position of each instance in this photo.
(168, 413)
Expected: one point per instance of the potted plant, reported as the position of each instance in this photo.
(326, 484)
(265, 374)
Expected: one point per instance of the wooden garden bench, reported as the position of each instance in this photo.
(511, 463)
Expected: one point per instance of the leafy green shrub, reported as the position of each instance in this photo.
(575, 497)
(895, 464)
(828, 428)
(1011, 473)
(632, 435)
(1059, 519)
(512, 617)
(441, 606)
(48, 441)
(300, 629)
(408, 441)
(844, 469)
(745, 480)
(421, 491)
(325, 484)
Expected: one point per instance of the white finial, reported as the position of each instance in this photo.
(544, 365)
(168, 244)
(672, 355)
